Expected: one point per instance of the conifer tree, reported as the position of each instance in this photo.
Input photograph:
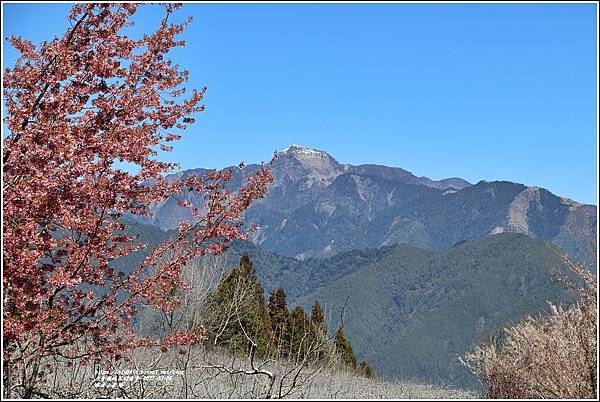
(259, 293)
(344, 349)
(365, 370)
(317, 317)
(279, 315)
(318, 336)
(299, 332)
(239, 311)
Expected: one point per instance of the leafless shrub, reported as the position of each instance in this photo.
(547, 356)
(202, 275)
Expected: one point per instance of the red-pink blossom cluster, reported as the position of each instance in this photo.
(76, 106)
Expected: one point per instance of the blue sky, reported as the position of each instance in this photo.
(488, 91)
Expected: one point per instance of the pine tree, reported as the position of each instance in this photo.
(279, 316)
(239, 311)
(365, 370)
(344, 349)
(262, 314)
(318, 336)
(299, 332)
(317, 317)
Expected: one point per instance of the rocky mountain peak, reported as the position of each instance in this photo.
(313, 165)
(304, 152)
(314, 200)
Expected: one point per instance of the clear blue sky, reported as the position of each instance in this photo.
(488, 91)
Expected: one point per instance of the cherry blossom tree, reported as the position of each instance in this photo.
(77, 108)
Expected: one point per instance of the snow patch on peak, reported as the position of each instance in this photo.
(313, 165)
(303, 151)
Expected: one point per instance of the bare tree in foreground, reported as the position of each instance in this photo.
(548, 356)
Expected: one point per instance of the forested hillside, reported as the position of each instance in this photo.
(411, 312)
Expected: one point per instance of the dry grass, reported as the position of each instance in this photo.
(213, 375)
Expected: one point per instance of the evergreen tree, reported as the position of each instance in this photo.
(344, 349)
(365, 370)
(238, 311)
(279, 316)
(318, 336)
(317, 317)
(299, 332)
(259, 293)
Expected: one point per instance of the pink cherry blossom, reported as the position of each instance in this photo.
(75, 106)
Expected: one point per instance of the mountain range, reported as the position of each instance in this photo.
(411, 313)
(318, 207)
(425, 268)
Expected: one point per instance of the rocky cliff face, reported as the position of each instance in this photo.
(318, 207)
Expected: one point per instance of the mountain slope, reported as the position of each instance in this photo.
(413, 312)
(318, 207)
